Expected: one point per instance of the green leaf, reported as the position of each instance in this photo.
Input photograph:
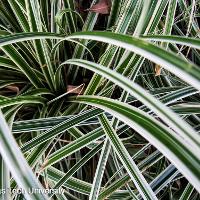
(187, 192)
(21, 100)
(17, 164)
(76, 145)
(126, 160)
(79, 164)
(173, 147)
(59, 128)
(47, 123)
(191, 42)
(156, 106)
(21, 37)
(96, 186)
(190, 73)
(73, 183)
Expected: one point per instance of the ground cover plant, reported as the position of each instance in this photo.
(100, 99)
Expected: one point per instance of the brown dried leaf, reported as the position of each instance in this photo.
(158, 70)
(76, 89)
(103, 7)
(13, 88)
(43, 165)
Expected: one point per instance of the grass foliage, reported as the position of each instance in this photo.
(100, 99)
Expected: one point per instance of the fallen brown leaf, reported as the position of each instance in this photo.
(157, 70)
(13, 88)
(103, 7)
(43, 165)
(76, 89)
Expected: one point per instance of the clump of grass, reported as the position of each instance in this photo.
(100, 98)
